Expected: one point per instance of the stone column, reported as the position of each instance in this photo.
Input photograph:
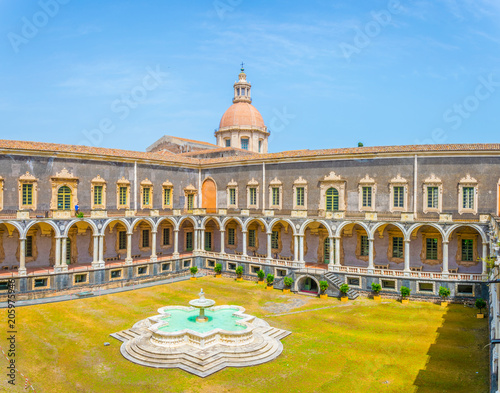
(331, 257)
(153, 247)
(295, 248)
(95, 256)
(58, 252)
(407, 270)
(101, 249)
(337, 251)
(445, 258)
(222, 232)
(22, 257)
(64, 261)
(128, 259)
(371, 267)
(269, 248)
(195, 241)
(176, 243)
(244, 234)
(301, 248)
(485, 255)
(202, 240)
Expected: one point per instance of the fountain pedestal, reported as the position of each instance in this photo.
(202, 303)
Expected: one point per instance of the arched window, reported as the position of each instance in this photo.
(332, 199)
(326, 248)
(64, 198)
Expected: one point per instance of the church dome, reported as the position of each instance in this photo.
(242, 114)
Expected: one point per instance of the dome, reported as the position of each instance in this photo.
(242, 114)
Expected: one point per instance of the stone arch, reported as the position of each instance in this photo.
(454, 227)
(251, 220)
(345, 223)
(91, 224)
(288, 221)
(385, 224)
(147, 219)
(121, 220)
(419, 225)
(228, 219)
(32, 223)
(207, 219)
(192, 220)
(209, 195)
(301, 278)
(170, 220)
(322, 222)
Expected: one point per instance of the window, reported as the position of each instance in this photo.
(275, 240)
(116, 273)
(40, 282)
(332, 199)
(260, 146)
(186, 263)
(208, 241)
(353, 281)
(165, 266)
(80, 278)
(433, 197)
(465, 289)
(431, 250)
(367, 196)
(122, 195)
(68, 251)
(167, 196)
(300, 192)
(27, 194)
(166, 237)
(468, 197)
(251, 238)
(397, 247)
(142, 270)
(231, 241)
(365, 249)
(146, 196)
(29, 247)
(228, 142)
(232, 196)
(326, 250)
(276, 196)
(145, 238)
(64, 198)
(190, 201)
(122, 240)
(231, 266)
(467, 250)
(189, 241)
(388, 284)
(425, 287)
(97, 195)
(244, 143)
(398, 196)
(253, 196)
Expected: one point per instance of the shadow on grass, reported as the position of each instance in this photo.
(458, 359)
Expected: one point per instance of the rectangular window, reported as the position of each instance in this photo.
(189, 241)
(431, 249)
(425, 287)
(80, 278)
(40, 282)
(208, 241)
(166, 237)
(27, 194)
(244, 143)
(274, 240)
(232, 196)
(399, 193)
(253, 196)
(388, 284)
(116, 273)
(145, 238)
(260, 146)
(228, 142)
(432, 197)
(468, 197)
(251, 238)
(367, 196)
(167, 196)
(276, 196)
(165, 266)
(122, 240)
(300, 196)
(231, 236)
(146, 196)
(97, 195)
(29, 246)
(190, 202)
(467, 250)
(365, 249)
(397, 247)
(123, 196)
(142, 270)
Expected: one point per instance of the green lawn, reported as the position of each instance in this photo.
(361, 346)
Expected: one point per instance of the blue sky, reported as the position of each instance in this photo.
(324, 73)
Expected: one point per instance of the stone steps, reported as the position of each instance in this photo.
(337, 282)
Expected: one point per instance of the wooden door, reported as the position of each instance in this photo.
(209, 192)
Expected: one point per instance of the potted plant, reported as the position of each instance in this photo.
(270, 280)
(405, 292)
(218, 270)
(323, 286)
(193, 270)
(79, 215)
(288, 281)
(239, 273)
(261, 275)
(344, 288)
(444, 293)
(480, 304)
(376, 288)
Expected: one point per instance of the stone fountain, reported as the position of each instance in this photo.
(202, 304)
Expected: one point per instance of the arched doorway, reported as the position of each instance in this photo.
(307, 284)
(209, 192)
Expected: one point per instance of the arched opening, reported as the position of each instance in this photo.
(426, 249)
(166, 237)
(79, 245)
(9, 244)
(316, 235)
(332, 199)
(64, 198)
(307, 284)
(187, 236)
(256, 239)
(355, 246)
(209, 192)
(233, 243)
(281, 237)
(211, 236)
(465, 248)
(142, 239)
(390, 238)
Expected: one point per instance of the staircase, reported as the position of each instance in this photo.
(337, 282)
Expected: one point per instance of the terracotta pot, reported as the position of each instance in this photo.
(377, 297)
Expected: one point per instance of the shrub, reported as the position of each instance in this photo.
(344, 288)
(288, 281)
(444, 292)
(480, 304)
(405, 292)
(239, 271)
(218, 268)
(270, 279)
(376, 288)
(323, 285)
(193, 270)
(261, 274)
(79, 215)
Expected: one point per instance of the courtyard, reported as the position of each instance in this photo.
(358, 346)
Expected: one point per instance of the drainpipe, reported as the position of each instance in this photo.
(415, 175)
(135, 185)
(263, 186)
(200, 198)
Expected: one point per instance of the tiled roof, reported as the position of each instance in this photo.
(194, 141)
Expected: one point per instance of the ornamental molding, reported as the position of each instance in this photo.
(367, 180)
(252, 182)
(26, 177)
(146, 182)
(398, 180)
(64, 174)
(468, 180)
(232, 183)
(300, 181)
(190, 188)
(123, 181)
(167, 184)
(98, 179)
(275, 182)
(433, 179)
(332, 177)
